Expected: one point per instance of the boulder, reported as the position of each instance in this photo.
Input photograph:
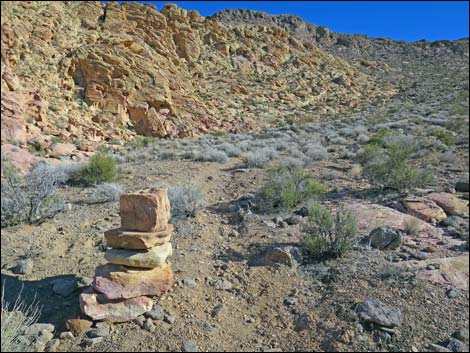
(150, 258)
(120, 238)
(121, 282)
(425, 209)
(385, 238)
(98, 307)
(59, 149)
(78, 326)
(288, 255)
(145, 211)
(450, 203)
(375, 312)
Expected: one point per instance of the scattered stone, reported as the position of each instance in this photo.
(121, 282)
(84, 282)
(139, 320)
(452, 293)
(37, 328)
(456, 345)
(222, 284)
(189, 346)
(78, 326)
(296, 219)
(288, 255)
(92, 341)
(170, 319)
(45, 336)
(419, 255)
(437, 348)
(302, 322)
(149, 325)
(145, 211)
(97, 307)
(303, 212)
(66, 335)
(24, 267)
(52, 345)
(217, 310)
(385, 238)
(462, 335)
(376, 312)
(150, 258)
(98, 332)
(64, 287)
(191, 283)
(156, 314)
(290, 301)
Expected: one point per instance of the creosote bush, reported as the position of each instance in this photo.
(327, 234)
(444, 136)
(186, 200)
(392, 168)
(286, 188)
(99, 169)
(33, 197)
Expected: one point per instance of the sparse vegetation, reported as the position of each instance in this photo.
(393, 168)
(328, 234)
(412, 226)
(107, 192)
(444, 136)
(33, 197)
(259, 158)
(186, 200)
(286, 188)
(16, 320)
(99, 169)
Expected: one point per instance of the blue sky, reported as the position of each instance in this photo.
(404, 20)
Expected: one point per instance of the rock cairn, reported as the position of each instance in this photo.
(138, 266)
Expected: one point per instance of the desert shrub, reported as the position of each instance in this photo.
(260, 158)
(444, 136)
(339, 141)
(211, 155)
(185, 200)
(368, 153)
(315, 152)
(456, 124)
(291, 162)
(229, 149)
(99, 169)
(167, 155)
(379, 137)
(286, 188)
(33, 197)
(394, 169)
(412, 226)
(15, 322)
(328, 235)
(141, 141)
(107, 192)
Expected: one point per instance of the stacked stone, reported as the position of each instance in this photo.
(138, 266)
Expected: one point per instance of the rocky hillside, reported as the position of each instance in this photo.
(350, 46)
(90, 73)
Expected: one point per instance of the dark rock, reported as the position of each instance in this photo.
(24, 267)
(288, 255)
(462, 186)
(456, 345)
(303, 212)
(385, 238)
(189, 346)
(376, 312)
(64, 287)
(156, 314)
(302, 322)
(296, 219)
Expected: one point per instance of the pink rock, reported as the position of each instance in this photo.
(117, 281)
(97, 307)
(450, 203)
(19, 157)
(425, 209)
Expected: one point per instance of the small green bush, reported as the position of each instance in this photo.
(393, 168)
(327, 235)
(99, 169)
(379, 137)
(368, 153)
(444, 136)
(412, 226)
(286, 188)
(456, 125)
(142, 141)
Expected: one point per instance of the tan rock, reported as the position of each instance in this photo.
(124, 239)
(146, 211)
(78, 326)
(450, 203)
(97, 307)
(60, 149)
(150, 258)
(121, 282)
(425, 209)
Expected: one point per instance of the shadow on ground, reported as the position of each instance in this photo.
(55, 309)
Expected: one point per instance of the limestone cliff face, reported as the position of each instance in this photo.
(92, 72)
